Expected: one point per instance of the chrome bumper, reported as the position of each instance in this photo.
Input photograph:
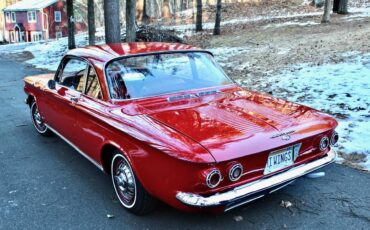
(246, 191)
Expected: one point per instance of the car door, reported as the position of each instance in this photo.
(59, 103)
(90, 130)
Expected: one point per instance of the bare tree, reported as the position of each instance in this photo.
(112, 22)
(91, 21)
(71, 25)
(217, 30)
(198, 20)
(335, 6)
(130, 20)
(343, 7)
(327, 9)
(144, 17)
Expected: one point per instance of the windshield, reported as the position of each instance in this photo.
(156, 74)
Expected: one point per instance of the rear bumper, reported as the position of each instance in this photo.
(254, 190)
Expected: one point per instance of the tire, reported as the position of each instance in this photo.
(130, 192)
(40, 126)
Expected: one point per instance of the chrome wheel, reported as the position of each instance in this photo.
(37, 120)
(124, 181)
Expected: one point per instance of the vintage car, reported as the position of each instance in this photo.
(167, 124)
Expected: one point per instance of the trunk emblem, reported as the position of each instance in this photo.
(284, 136)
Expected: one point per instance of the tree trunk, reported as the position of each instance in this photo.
(71, 25)
(145, 18)
(327, 9)
(336, 6)
(91, 21)
(111, 21)
(198, 20)
(343, 7)
(217, 29)
(130, 20)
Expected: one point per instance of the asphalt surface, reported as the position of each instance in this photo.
(45, 184)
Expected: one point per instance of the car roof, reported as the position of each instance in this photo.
(106, 52)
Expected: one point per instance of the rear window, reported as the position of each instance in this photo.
(156, 74)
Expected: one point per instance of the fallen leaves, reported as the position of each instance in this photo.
(238, 218)
(286, 204)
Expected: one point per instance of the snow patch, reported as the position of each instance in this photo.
(341, 89)
(294, 23)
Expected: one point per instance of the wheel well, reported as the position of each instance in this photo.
(29, 100)
(107, 154)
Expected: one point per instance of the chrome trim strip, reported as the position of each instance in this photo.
(76, 148)
(284, 185)
(218, 199)
(242, 203)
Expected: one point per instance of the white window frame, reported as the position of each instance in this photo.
(31, 16)
(58, 35)
(12, 36)
(7, 17)
(59, 16)
(13, 17)
(36, 36)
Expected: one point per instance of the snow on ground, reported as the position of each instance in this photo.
(188, 29)
(358, 13)
(341, 89)
(294, 23)
(47, 55)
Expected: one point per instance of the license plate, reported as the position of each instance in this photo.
(279, 159)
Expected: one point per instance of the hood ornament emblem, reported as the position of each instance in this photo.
(284, 136)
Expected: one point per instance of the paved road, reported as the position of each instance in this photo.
(45, 184)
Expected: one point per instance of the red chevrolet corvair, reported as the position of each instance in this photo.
(167, 123)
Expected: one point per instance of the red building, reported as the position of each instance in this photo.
(34, 20)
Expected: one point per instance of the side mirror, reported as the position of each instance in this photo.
(51, 84)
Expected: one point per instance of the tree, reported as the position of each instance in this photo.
(216, 30)
(335, 6)
(327, 9)
(130, 20)
(71, 25)
(91, 21)
(111, 21)
(198, 20)
(144, 17)
(343, 7)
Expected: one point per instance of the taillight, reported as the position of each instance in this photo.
(236, 172)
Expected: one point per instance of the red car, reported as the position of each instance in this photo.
(167, 124)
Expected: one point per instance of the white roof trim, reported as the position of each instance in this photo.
(27, 5)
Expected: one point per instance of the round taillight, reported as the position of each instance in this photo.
(324, 143)
(213, 178)
(334, 139)
(236, 172)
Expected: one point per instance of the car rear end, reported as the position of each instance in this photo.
(232, 183)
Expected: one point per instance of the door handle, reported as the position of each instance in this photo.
(74, 100)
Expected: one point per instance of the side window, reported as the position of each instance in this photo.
(92, 85)
(72, 76)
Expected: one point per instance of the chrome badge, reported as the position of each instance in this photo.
(284, 136)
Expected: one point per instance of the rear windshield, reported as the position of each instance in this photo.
(156, 74)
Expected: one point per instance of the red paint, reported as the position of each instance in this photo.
(172, 145)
